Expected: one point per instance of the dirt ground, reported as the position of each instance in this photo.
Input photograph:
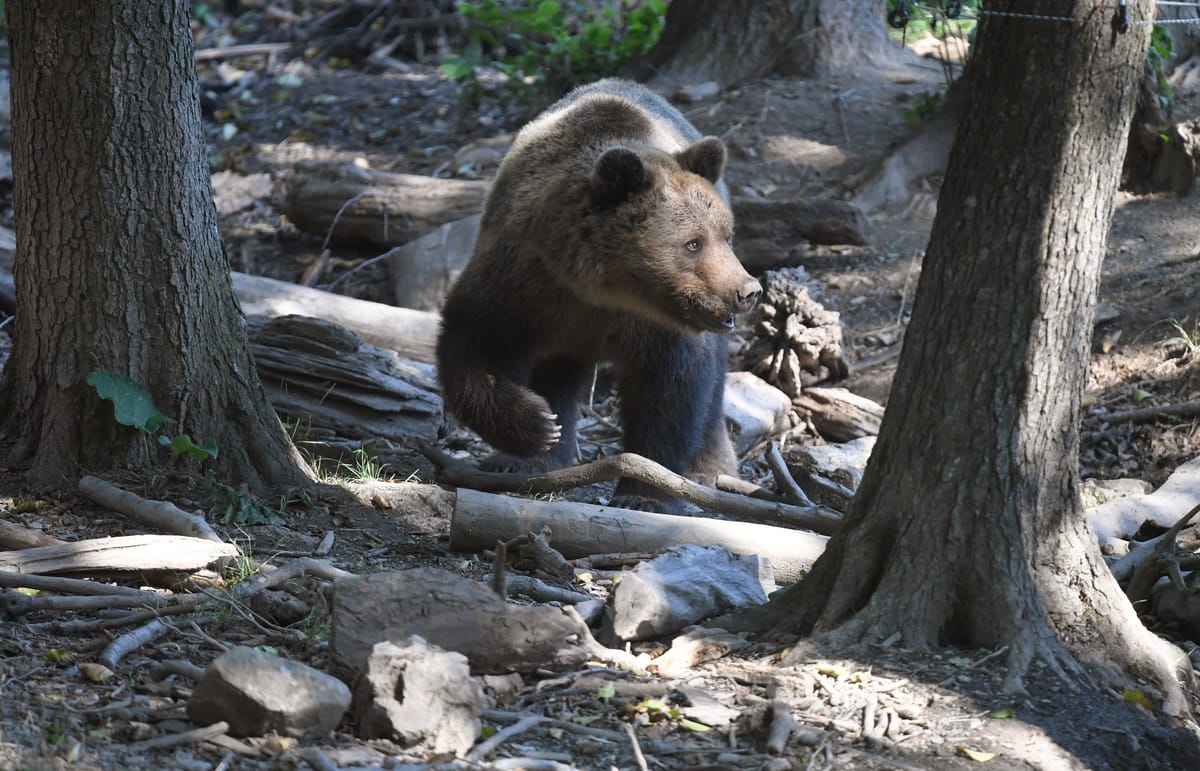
(787, 137)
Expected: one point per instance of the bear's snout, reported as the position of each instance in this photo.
(747, 295)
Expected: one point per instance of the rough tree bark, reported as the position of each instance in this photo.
(120, 262)
(968, 527)
(732, 42)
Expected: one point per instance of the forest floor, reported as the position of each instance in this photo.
(787, 137)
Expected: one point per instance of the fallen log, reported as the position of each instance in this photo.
(580, 529)
(839, 415)
(1118, 519)
(410, 333)
(138, 553)
(348, 203)
(326, 375)
(13, 536)
(632, 466)
(161, 515)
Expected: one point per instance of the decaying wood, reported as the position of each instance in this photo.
(326, 375)
(125, 553)
(481, 519)
(781, 724)
(18, 604)
(412, 334)
(839, 415)
(9, 580)
(1147, 573)
(785, 222)
(1183, 410)
(456, 614)
(1120, 518)
(160, 515)
(632, 466)
(13, 536)
(350, 203)
(797, 341)
(783, 477)
(131, 641)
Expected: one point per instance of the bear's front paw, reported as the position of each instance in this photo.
(528, 429)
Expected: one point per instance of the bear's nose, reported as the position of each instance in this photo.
(748, 294)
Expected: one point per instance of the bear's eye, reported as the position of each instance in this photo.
(694, 245)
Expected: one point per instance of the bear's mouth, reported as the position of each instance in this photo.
(713, 322)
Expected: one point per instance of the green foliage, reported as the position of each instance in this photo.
(231, 506)
(929, 21)
(1160, 52)
(923, 107)
(544, 48)
(133, 406)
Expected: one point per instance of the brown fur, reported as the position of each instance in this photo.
(606, 237)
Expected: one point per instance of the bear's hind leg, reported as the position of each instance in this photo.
(559, 380)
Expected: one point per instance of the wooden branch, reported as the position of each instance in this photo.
(13, 536)
(20, 604)
(125, 553)
(580, 529)
(1146, 574)
(234, 52)
(62, 585)
(193, 736)
(160, 515)
(352, 204)
(783, 478)
(412, 334)
(455, 472)
(1148, 414)
(272, 577)
(127, 643)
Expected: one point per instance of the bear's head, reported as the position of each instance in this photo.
(665, 232)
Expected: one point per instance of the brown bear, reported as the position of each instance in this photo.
(605, 237)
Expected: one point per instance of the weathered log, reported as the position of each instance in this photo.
(785, 222)
(383, 208)
(160, 515)
(124, 553)
(839, 415)
(13, 536)
(1119, 519)
(326, 375)
(423, 270)
(457, 614)
(579, 529)
(410, 333)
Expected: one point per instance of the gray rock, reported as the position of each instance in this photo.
(755, 411)
(258, 693)
(419, 696)
(683, 586)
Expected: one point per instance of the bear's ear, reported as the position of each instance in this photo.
(705, 157)
(619, 173)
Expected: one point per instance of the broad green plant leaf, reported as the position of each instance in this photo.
(132, 404)
(183, 444)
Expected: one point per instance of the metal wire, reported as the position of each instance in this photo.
(936, 13)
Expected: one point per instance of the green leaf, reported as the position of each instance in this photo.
(132, 404)
(457, 69)
(692, 725)
(1002, 714)
(183, 443)
(652, 705)
(1137, 697)
(606, 691)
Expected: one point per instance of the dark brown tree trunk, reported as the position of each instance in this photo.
(120, 262)
(733, 42)
(968, 528)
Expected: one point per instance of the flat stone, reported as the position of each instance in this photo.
(258, 693)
